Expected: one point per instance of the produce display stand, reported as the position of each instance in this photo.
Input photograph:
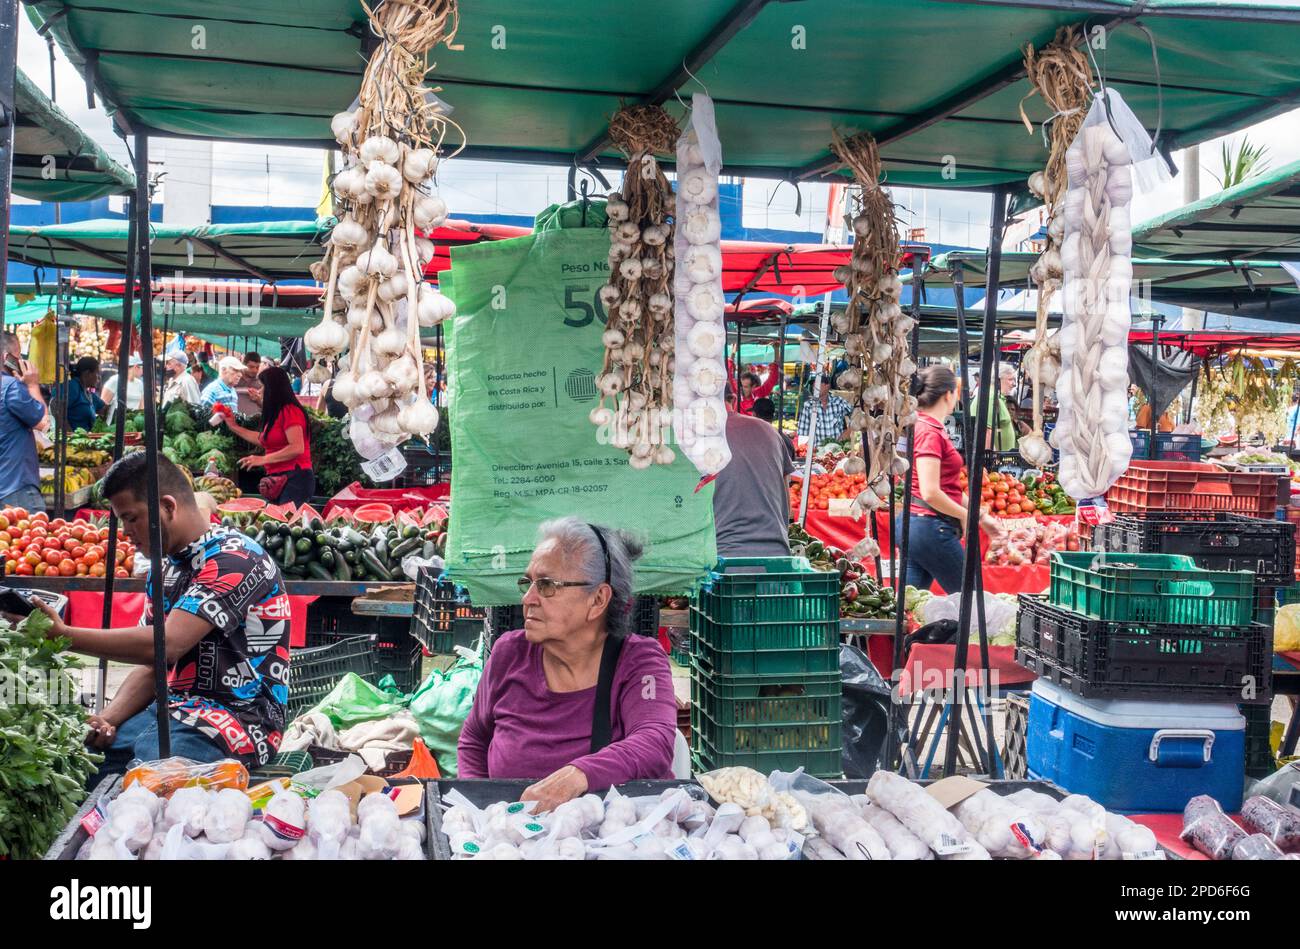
(312, 81)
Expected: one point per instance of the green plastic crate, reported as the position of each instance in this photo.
(743, 591)
(1151, 588)
(778, 660)
(768, 700)
(816, 749)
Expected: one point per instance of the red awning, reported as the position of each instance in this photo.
(1214, 342)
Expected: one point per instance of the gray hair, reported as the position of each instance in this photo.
(1006, 371)
(579, 540)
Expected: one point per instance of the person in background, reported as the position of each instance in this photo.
(751, 496)
(22, 412)
(535, 714)
(765, 409)
(1293, 419)
(285, 439)
(1144, 419)
(751, 387)
(938, 512)
(221, 391)
(199, 375)
(226, 634)
(83, 404)
(249, 388)
(1000, 433)
(832, 418)
(134, 388)
(181, 386)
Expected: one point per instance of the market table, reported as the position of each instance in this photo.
(86, 598)
(1167, 827)
(845, 533)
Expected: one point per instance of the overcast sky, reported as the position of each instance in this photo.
(291, 177)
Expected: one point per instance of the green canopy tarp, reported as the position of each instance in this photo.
(938, 83)
(54, 160)
(1258, 219)
(210, 321)
(1260, 289)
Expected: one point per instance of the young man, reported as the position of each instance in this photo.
(22, 411)
(227, 634)
(250, 387)
(221, 391)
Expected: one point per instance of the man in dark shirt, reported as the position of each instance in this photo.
(751, 496)
(227, 634)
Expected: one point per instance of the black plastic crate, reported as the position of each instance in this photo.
(645, 618)
(313, 672)
(444, 616)
(1260, 762)
(1015, 760)
(403, 660)
(1107, 658)
(1265, 605)
(1216, 540)
(330, 618)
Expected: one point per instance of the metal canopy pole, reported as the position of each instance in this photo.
(142, 203)
(119, 438)
(975, 467)
(812, 418)
(8, 116)
(1156, 320)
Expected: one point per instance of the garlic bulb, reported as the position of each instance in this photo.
(418, 418)
(703, 225)
(616, 208)
(425, 251)
(388, 422)
(383, 181)
(704, 302)
(709, 455)
(344, 127)
(349, 234)
(327, 338)
(660, 305)
(600, 416)
(402, 375)
(349, 183)
(390, 342)
(373, 386)
(890, 285)
(433, 307)
(707, 416)
(697, 186)
(419, 165)
(664, 455)
(630, 269)
(706, 339)
(345, 388)
(703, 263)
(377, 262)
(707, 377)
(379, 148)
(394, 288)
(429, 212)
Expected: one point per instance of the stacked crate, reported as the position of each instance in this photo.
(444, 617)
(765, 682)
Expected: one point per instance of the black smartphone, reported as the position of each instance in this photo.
(11, 601)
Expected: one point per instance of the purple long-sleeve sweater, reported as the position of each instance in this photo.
(519, 728)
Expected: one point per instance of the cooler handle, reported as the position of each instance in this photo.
(1203, 733)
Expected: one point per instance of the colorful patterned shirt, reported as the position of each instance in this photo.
(234, 683)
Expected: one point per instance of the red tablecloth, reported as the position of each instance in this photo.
(844, 532)
(928, 667)
(1167, 827)
(399, 499)
(87, 610)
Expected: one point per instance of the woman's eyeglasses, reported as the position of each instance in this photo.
(546, 586)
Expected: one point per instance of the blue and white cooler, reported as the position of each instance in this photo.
(1136, 757)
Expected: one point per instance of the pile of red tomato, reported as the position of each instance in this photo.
(824, 487)
(1004, 494)
(35, 546)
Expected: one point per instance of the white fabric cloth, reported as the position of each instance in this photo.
(373, 740)
(314, 728)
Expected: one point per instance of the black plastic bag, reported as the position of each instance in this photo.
(865, 713)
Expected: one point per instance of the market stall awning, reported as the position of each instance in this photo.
(268, 251)
(938, 83)
(54, 160)
(1261, 289)
(1212, 343)
(1258, 219)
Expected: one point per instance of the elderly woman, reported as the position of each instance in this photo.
(571, 698)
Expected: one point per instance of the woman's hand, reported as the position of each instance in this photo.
(252, 461)
(550, 792)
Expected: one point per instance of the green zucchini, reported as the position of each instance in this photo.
(350, 556)
(287, 557)
(406, 547)
(374, 565)
(341, 569)
(303, 546)
(318, 571)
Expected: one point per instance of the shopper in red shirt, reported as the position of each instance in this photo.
(938, 512)
(285, 439)
(751, 387)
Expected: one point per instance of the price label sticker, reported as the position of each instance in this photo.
(385, 467)
(946, 845)
(680, 851)
(1145, 855)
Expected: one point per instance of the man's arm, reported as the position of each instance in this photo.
(133, 644)
(133, 696)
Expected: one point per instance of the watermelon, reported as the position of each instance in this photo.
(309, 513)
(374, 513)
(280, 512)
(408, 517)
(241, 506)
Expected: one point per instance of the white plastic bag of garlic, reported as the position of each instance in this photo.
(699, 382)
(1092, 390)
